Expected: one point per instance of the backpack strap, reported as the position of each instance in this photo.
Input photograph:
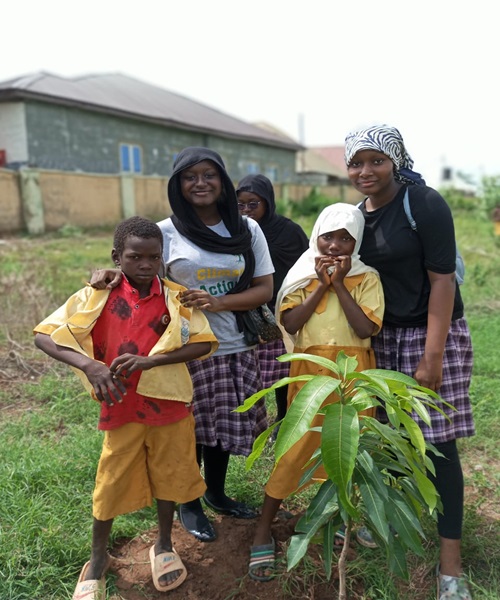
(460, 265)
(409, 216)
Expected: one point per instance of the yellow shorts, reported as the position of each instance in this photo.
(141, 462)
(288, 472)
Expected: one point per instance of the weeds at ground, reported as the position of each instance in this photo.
(50, 445)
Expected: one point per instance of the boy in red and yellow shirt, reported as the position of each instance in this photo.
(129, 347)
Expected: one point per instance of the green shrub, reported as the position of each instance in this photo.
(312, 204)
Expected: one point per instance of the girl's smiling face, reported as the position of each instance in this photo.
(371, 172)
(201, 184)
(336, 243)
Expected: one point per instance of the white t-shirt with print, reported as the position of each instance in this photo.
(195, 268)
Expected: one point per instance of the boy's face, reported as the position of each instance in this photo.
(336, 243)
(140, 260)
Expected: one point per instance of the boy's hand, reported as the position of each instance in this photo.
(200, 299)
(125, 364)
(107, 387)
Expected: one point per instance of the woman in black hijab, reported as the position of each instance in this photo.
(287, 241)
(223, 261)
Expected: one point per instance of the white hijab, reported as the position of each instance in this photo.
(333, 217)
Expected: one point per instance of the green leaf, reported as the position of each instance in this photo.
(403, 518)
(296, 550)
(397, 558)
(374, 503)
(387, 375)
(310, 468)
(426, 488)
(420, 410)
(414, 431)
(251, 400)
(367, 466)
(302, 411)
(258, 446)
(346, 364)
(318, 360)
(322, 507)
(339, 446)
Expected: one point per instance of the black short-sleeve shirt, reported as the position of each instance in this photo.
(403, 256)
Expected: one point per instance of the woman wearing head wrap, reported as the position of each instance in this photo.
(286, 241)
(223, 261)
(329, 301)
(424, 334)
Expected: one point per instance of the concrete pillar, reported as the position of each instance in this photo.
(127, 195)
(32, 201)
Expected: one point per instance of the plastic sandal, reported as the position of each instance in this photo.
(452, 588)
(262, 558)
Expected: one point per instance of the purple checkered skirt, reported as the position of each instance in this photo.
(221, 384)
(401, 349)
(272, 370)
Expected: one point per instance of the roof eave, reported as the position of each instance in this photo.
(16, 94)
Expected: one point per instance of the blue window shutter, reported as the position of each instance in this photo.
(136, 156)
(125, 158)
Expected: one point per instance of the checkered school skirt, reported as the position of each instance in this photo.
(272, 370)
(400, 349)
(221, 384)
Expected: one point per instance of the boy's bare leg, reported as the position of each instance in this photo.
(165, 509)
(99, 558)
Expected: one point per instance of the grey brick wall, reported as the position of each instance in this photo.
(72, 139)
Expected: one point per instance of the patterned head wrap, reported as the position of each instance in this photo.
(388, 140)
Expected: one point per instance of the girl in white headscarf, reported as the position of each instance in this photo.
(329, 301)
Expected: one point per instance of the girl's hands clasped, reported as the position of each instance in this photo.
(332, 269)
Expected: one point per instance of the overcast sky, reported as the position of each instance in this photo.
(315, 69)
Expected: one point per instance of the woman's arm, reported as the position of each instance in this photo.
(429, 372)
(259, 292)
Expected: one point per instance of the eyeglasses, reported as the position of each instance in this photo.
(249, 205)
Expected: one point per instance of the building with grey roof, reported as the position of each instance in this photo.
(113, 123)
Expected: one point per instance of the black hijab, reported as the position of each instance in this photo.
(188, 223)
(286, 239)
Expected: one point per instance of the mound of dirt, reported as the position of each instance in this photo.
(218, 570)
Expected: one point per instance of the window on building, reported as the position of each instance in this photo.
(252, 168)
(272, 174)
(130, 158)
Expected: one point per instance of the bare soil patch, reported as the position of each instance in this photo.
(219, 570)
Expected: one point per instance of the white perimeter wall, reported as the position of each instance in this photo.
(13, 131)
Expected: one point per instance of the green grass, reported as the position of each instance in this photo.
(50, 444)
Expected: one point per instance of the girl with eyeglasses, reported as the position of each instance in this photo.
(287, 241)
